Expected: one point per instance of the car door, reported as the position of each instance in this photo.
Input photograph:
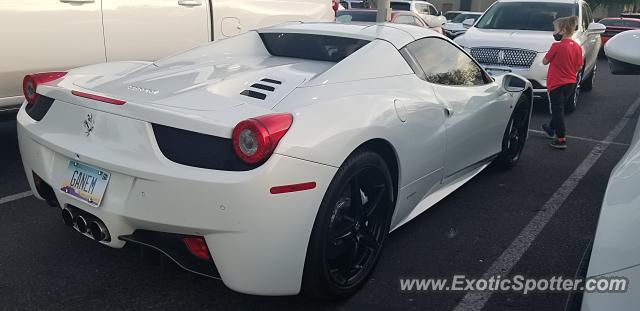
(152, 29)
(590, 41)
(477, 110)
(46, 35)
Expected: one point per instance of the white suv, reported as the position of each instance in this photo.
(514, 35)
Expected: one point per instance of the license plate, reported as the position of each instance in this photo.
(497, 71)
(85, 183)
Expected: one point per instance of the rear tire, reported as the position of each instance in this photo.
(350, 228)
(515, 135)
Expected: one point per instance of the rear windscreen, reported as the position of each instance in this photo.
(311, 46)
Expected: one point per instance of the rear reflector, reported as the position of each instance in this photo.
(197, 247)
(99, 98)
(293, 188)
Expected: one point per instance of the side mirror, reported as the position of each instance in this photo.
(468, 23)
(513, 83)
(622, 52)
(596, 28)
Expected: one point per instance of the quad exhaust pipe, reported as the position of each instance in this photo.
(86, 224)
(68, 217)
(98, 231)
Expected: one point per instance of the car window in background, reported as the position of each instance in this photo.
(311, 46)
(357, 5)
(400, 6)
(344, 4)
(461, 17)
(620, 23)
(451, 15)
(443, 63)
(525, 15)
(406, 19)
(586, 16)
(356, 16)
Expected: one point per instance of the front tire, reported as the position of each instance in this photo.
(350, 228)
(515, 135)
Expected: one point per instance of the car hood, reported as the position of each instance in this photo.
(538, 41)
(205, 85)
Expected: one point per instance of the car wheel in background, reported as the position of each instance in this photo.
(571, 105)
(515, 135)
(350, 228)
(587, 85)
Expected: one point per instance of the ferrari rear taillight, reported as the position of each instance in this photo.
(255, 139)
(31, 82)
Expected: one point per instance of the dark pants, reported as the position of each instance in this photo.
(558, 98)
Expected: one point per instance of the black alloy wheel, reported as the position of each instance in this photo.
(350, 228)
(515, 135)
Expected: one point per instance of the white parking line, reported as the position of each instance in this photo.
(510, 257)
(16, 196)
(606, 142)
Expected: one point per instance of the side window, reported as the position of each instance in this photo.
(433, 10)
(443, 63)
(344, 4)
(422, 8)
(585, 16)
(405, 19)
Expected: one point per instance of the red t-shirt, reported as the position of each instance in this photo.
(565, 59)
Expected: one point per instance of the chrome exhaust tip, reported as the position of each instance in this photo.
(81, 224)
(67, 217)
(98, 231)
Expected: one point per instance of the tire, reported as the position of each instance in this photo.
(515, 135)
(346, 241)
(573, 104)
(587, 85)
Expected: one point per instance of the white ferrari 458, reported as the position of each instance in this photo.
(277, 160)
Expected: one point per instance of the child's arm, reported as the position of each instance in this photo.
(550, 55)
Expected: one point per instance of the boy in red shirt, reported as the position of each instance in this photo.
(565, 60)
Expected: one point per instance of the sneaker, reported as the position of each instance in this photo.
(559, 144)
(548, 131)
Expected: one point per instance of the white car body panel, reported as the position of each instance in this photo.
(62, 35)
(336, 107)
(616, 248)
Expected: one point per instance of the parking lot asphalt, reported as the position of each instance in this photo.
(47, 266)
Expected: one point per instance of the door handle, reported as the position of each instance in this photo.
(190, 2)
(77, 1)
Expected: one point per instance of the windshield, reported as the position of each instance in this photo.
(400, 6)
(451, 15)
(356, 16)
(311, 46)
(525, 15)
(461, 17)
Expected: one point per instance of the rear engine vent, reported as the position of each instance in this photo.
(271, 81)
(198, 150)
(263, 87)
(254, 94)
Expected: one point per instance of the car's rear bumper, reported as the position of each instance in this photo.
(257, 240)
